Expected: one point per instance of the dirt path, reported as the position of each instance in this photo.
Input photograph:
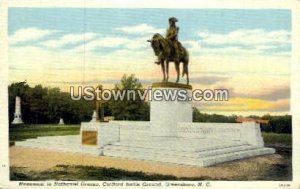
(39, 160)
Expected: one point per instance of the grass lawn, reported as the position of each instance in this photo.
(273, 139)
(279, 171)
(77, 172)
(26, 131)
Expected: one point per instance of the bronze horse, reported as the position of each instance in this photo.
(163, 50)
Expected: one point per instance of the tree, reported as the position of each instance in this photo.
(203, 117)
(35, 100)
(129, 109)
(53, 99)
(278, 124)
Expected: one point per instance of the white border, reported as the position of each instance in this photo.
(4, 155)
(293, 5)
(295, 90)
(228, 4)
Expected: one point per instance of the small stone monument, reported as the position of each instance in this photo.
(94, 116)
(17, 115)
(61, 121)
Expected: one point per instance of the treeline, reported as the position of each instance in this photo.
(277, 124)
(42, 105)
(203, 117)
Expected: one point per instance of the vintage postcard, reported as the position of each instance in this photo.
(121, 94)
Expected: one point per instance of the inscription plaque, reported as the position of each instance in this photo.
(89, 138)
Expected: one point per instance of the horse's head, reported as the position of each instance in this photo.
(156, 43)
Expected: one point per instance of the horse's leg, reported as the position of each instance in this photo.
(163, 69)
(177, 70)
(183, 69)
(167, 67)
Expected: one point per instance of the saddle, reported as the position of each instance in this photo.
(180, 48)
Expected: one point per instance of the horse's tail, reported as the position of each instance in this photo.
(185, 62)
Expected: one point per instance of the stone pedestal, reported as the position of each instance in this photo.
(17, 115)
(170, 136)
(165, 114)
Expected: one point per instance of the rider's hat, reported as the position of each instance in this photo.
(173, 19)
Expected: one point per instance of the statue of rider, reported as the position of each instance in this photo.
(172, 37)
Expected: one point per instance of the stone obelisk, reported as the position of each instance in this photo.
(17, 115)
(61, 121)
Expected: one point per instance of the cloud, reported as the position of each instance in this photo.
(252, 66)
(249, 79)
(133, 45)
(29, 34)
(246, 37)
(138, 43)
(102, 42)
(245, 42)
(236, 43)
(281, 105)
(141, 29)
(46, 66)
(208, 80)
(192, 46)
(69, 39)
(268, 93)
(88, 82)
(245, 105)
(230, 50)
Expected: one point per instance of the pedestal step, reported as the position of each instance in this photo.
(62, 143)
(196, 152)
(193, 160)
(175, 144)
(57, 139)
(176, 152)
(184, 151)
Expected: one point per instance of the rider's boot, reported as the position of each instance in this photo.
(157, 61)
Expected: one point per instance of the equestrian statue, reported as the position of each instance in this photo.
(169, 49)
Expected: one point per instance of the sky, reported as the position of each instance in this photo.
(247, 52)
